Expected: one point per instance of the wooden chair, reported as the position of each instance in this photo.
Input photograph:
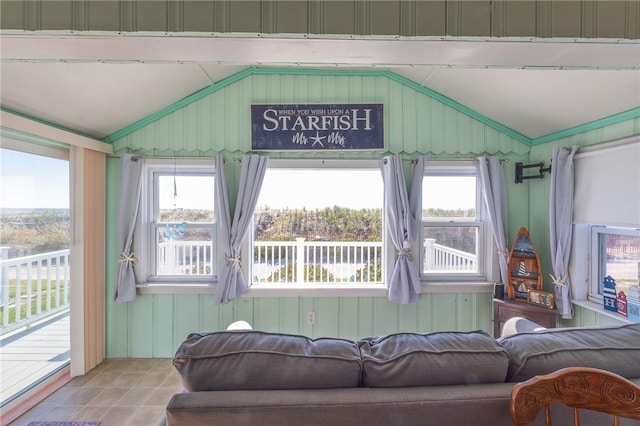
(579, 388)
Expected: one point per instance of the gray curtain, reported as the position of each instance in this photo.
(404, 213)
(561, 226)
(129, 203)
(494, 194)
(231, 282)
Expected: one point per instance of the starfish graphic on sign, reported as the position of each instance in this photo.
(317, 139)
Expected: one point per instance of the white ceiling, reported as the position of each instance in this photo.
(97, 84)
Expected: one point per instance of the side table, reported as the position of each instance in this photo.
(505, 309)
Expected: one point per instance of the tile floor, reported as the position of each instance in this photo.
(118, 392)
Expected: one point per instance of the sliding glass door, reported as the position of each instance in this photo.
(34, 266)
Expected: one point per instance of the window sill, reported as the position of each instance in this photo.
(598, 308)
(331, 290)
(337, 290)
(269, 290)
(176, 288)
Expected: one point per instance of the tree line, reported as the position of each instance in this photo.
(328, 224)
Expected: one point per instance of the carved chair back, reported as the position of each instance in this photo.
(579, 388)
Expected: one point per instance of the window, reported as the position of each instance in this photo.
(616, 253)
(319, 223)
(606, 216)
(452, 230)
(178, 221)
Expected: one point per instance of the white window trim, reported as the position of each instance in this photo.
(488, 272)
(319, 290)
(583, 268)
(333, 291)
(580, 262)
(596, 231)
(478, 285)
(144, 239)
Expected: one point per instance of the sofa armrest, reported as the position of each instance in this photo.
(517, 325)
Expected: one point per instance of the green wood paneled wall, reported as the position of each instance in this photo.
(478, 18)
(583, 316)
(154, 325)
(539, 202)
(416, 124)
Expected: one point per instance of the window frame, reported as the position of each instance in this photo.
(592, 163)
(485, 245)
(597, 262)
(322, 289)
(144, 242)
(480, 283)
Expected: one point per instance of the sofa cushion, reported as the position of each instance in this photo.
(612, 348)
(234, 360)
(444, 358)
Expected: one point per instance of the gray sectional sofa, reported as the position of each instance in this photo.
(248, 377)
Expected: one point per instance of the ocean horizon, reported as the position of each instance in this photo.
(6, 211)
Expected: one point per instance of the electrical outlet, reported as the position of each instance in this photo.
(311, 317)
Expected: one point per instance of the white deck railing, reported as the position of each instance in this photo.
(439, 258)
(33, 287)
(326, 262)
(185, 258)
(301, 261)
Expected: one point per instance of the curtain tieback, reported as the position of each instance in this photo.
(405, 252)
(560, 282)
(503, 253)
(235, 260)
(131, 258)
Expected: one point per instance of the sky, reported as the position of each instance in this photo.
(457, 193)
(189, 192)
(346, 188)
(311, 188)
(354, 189)
(33, 181)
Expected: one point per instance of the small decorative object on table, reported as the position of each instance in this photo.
(633, 303)
(609, 296)
(498, 291)
(621, 303)
(541, 298)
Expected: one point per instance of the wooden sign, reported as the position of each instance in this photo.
(317, 127)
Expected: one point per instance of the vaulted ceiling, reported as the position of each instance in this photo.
(98, 84)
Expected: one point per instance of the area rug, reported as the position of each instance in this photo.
(64, 424)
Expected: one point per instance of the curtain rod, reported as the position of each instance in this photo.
(502, 160)
(160, 157)
(239, 159)
(615, 143)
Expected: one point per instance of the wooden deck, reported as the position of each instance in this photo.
(28, 356)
